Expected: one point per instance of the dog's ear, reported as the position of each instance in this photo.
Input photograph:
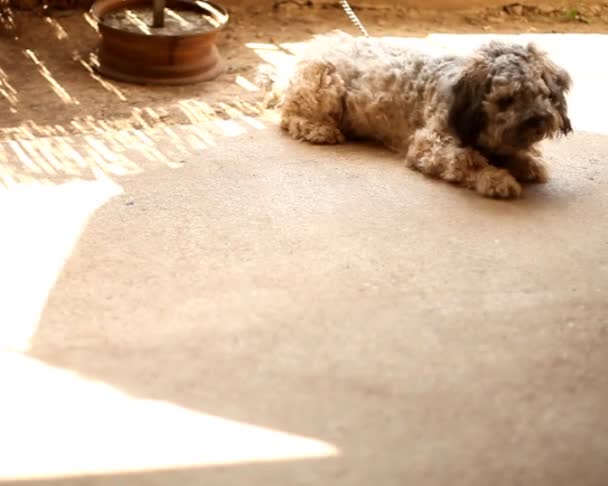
(558, 81)
(466, 116)
(559, 101)
(558, 75)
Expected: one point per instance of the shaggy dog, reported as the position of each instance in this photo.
(473, 121)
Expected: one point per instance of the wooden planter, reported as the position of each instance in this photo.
(159, 59)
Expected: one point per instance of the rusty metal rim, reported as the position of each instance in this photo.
(117, 75)
(102, 7)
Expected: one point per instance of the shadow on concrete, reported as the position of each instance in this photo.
(321, 296)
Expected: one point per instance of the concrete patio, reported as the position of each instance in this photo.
(218, 304)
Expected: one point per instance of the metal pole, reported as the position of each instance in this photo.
(159, 13)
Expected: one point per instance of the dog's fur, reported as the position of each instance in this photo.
(473, 121)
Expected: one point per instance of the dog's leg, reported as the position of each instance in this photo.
(312, 106)
(438, 155)
(527, 167)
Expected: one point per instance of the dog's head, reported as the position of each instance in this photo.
(508, 97)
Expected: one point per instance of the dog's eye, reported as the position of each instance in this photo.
(505, 102)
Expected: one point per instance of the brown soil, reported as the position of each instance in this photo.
(48, 85)
(139, 20)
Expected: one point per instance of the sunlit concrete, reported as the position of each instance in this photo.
(62, 424)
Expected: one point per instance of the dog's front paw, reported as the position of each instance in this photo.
(497, 183)
(528, 169)
(534, 171)
(324, 134)
(315, 132)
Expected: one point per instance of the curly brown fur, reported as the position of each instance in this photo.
(471, 120)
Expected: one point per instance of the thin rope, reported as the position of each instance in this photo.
(353, 17)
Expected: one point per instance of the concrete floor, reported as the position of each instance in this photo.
(267, 312)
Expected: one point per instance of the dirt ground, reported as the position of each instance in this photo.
(48, 86)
